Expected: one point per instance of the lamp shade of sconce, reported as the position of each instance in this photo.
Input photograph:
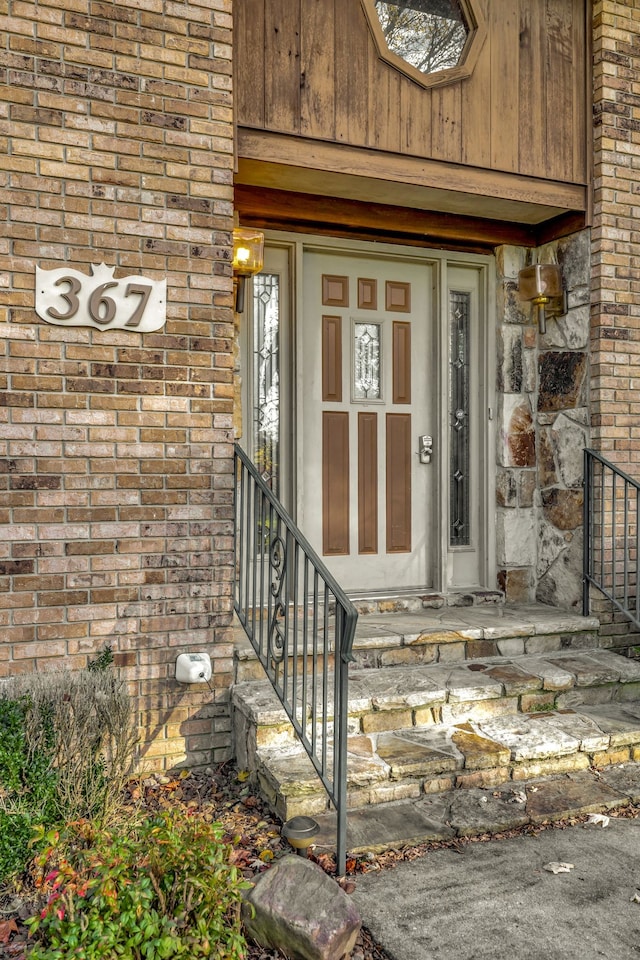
(541, 285)
(248, 259)
(248, 251)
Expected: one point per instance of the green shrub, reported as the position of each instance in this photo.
(157, 888)
(66, 741)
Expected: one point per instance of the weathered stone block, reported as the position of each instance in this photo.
(510, 359)
(613, 755)
(517, 440)
(535, 702)
(543, 644)
(561, 380)
(481, 778)
(480, 753)
(477, 649)
(438, 785)
(581, 793)
(386, 792)
(517, 585)
(479, 709)
(451, 652)
(424, 717)
(381, 720)
(543, 768)
(515, 537)
(569, 438)
(506, 488)
(563, 508)
(511, 647)
(301, 911)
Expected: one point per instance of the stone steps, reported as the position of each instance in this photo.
(486, 698)
(400, 698)
(417, 761)
(407, 635)
(477, 811)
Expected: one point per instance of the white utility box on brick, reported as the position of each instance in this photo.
(193, 668)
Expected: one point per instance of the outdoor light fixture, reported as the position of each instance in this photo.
(541, 284)
(248, 258)
(300, 832)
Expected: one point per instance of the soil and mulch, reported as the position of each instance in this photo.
(226, 796)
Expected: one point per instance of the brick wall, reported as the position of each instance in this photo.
(615, 255)
(615, 292)
(116, 146)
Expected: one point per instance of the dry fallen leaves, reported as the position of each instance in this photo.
(556, 866)
(7, 927)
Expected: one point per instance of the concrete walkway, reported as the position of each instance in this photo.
(494, 899)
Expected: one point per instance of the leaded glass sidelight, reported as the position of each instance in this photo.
(366, 361)
(430, 35)
(459, 437)
(266, 377)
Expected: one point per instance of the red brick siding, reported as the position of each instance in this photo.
(116, 145)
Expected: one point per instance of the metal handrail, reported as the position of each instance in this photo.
(298, 620)
(611, 535)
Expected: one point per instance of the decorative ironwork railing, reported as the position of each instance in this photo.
(300, 624)
(611, 535)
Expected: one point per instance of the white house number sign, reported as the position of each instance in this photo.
(73, 299)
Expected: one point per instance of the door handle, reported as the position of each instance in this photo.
(425, 449)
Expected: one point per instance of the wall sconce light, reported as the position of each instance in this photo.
(541, 284)
(248, 259)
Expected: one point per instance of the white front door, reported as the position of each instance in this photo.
(368, 373)
(367, 382)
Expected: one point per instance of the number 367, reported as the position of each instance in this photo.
(101, 306)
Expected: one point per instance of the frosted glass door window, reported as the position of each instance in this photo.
(367, 361)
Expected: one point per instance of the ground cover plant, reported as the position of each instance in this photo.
(156, 887)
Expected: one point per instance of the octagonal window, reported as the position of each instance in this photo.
(433, 41)
(429, 34)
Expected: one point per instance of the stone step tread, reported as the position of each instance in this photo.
(452, 624)
(427, 685)
(437, 750)
(473, 812)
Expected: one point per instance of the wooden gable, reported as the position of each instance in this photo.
(320, 112)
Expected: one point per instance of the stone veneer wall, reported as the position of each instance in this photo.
(543, 427)
(615, 272)
(116, 145)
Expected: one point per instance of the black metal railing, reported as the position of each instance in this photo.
(611, 535)
(300, 624)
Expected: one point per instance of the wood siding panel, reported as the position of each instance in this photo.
(367, 483)
(332, 359)
(522, 109)
(559, 91)
(475, 126)
(383, 126)
(317, 61)
(446, 133)
(398, 471)
(581, 51)
(281, 65)
(401, 362)
(504, 27)
(352, 63)
(335, 483)
(249, 58)
(416, 110)
(532, 86)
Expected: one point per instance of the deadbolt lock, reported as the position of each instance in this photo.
(425, 449)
